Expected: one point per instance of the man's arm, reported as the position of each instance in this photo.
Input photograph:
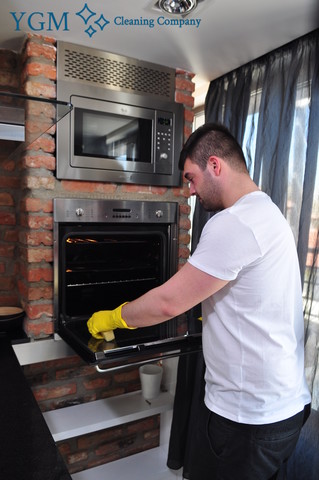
(188, 287)
(184, 290)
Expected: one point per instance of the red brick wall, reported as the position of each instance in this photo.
(69, 381)
(9, 191)
(27, 187)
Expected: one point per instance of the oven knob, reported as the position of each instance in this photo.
(159, 213)
(79, 212)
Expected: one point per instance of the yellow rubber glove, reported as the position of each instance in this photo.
(106, 320)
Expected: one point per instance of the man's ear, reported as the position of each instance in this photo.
(214, 164)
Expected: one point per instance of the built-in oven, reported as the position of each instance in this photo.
(107, 252)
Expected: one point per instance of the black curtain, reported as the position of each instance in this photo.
(271, 106)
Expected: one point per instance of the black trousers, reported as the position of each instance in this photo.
(226, 450)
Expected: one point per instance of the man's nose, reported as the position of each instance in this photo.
(192, 190)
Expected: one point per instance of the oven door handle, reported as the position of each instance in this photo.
(142, 362)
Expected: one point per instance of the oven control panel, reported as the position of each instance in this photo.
(114, 211)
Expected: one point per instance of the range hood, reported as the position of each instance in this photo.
(16, 109)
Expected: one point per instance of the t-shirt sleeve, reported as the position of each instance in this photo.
(226, 246)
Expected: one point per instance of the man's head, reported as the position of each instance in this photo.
(214, 165)
(209, 140)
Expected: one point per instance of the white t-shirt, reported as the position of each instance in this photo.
(253, 328)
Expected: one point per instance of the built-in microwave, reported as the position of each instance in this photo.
(120, 137)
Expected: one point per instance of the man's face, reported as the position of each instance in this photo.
(204, 184)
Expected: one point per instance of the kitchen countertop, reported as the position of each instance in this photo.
(27, 449)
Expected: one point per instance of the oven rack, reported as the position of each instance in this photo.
(111, 282)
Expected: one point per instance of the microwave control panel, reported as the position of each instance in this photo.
(164, 142)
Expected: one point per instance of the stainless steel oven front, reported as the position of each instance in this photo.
(107, 252)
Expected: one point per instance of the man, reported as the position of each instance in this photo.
(245, 273)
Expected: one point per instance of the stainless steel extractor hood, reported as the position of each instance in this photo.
(16, 108)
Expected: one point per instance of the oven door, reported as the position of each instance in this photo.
(101, 267)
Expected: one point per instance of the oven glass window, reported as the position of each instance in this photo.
(116, 137)
(103, 270)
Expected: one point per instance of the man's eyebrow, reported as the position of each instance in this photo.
(187, 175)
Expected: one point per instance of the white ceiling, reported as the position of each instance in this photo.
(229, 33)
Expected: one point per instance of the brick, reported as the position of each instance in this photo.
(35, 183)
(34, 312)
(44, 143)
(185, 73)
(184, 238)
(37, 238)
(7, 218)
(6, 283)
(9, 79)
(42, 39)
(184, 209)
(64, 448)
(41, 69)
(109, 448)
(181, 192)
(184, 98)
(77, 457)
(6, 251)
(115, 392)
(6, 199)
(11, 236)
(39, 330)
(188, 115)
(38, 293)
(43, 109)
(36, 222)
(36, 255)
(126, 376)
(40, 161)
(184, 224)
(103, 436)
(151, 435)
(9, 182)
(143, 425)
(36, 89)
(11, 299)
(8, 165)
(159, 190)
(183, 253)
(9, 59)
(182, 83)
(187, 131)
(55, 392)
(88, 187)
(130, 188)
(39, 50)
(37, 274)
(34, 126)
(96, 383)
(37, 205)
(81, 371)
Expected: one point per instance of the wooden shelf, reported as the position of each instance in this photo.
(89, 417)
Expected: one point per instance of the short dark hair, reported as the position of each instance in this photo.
(212, 139)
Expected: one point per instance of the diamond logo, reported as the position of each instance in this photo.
(86, 14)
(102, 22)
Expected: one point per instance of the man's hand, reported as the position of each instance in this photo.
(106, 320)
